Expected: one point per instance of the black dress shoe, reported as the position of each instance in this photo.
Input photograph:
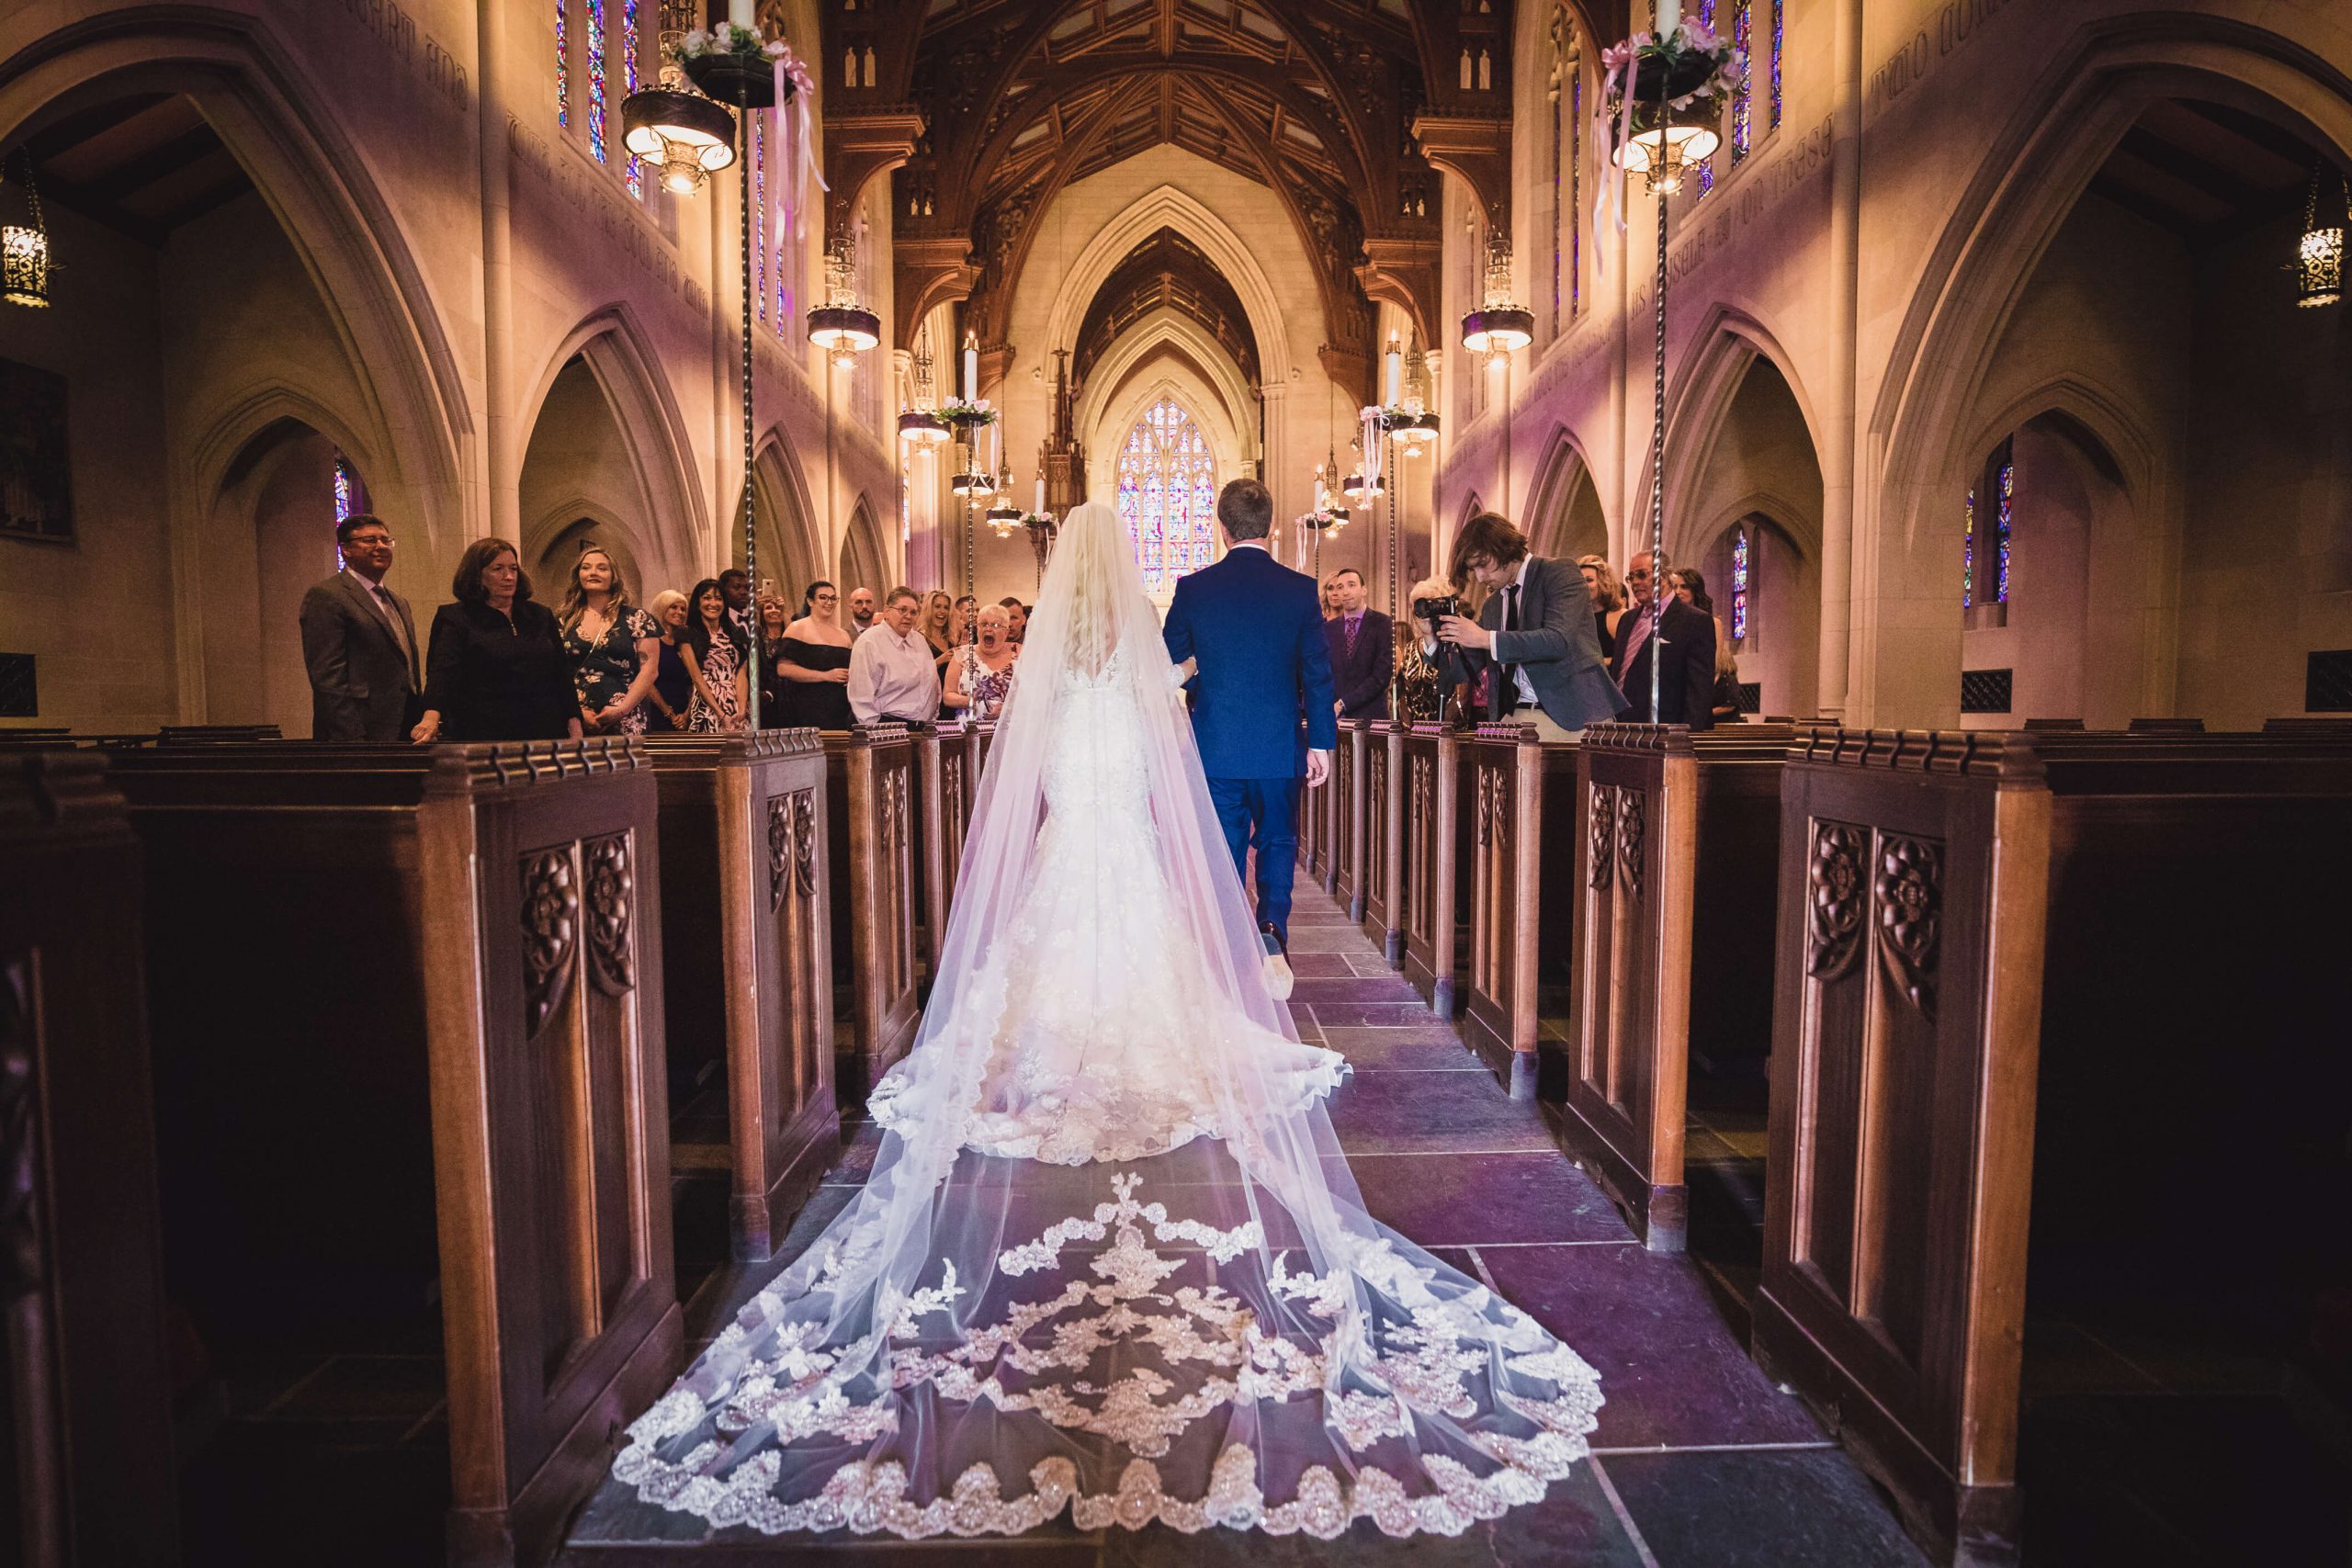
(1278, 975)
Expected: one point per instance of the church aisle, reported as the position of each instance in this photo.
(1698, 1462)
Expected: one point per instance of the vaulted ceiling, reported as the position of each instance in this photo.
(1344, 108)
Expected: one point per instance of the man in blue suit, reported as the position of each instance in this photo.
(1255, 628)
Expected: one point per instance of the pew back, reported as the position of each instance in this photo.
(746, 912)
(364, 960)
(82, 1372)
(1436, 846)
(1383, 911)
(873, 780)
(1517, 890)
(1954, 907)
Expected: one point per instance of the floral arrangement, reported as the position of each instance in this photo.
(794, 84)
(1325, 516)
(727, 39)
(1696, 72)
(1389, 416)
(979, 411)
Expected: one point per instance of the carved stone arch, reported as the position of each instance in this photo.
(217, 453)
(2065, 124)
(1136, 348)
(263, 102)
(1170, 207)
(865, 556)
(1730, 341)
(555, 536)
(2110, 431)
(628, 371)
(791, 535)
(1187, 390)
(1563, 480)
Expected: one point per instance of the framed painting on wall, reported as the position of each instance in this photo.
(35, 478)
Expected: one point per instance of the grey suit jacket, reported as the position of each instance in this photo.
(1555, 643)
(362, 687)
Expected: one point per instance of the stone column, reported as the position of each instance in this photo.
(1838, 508)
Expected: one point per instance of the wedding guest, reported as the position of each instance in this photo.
(494, 667)
(735, 586)
(1422, 679)
(861, 611)
(1535, 632)
(891, 676)
(979, 676)
(1608, 600)
(1327, 594)
(715, 662)
(1687, 676)
(1020, 614)
(774, 617)
(611, 644)
(813, 669)
(360, 643)
(938, 612)
(673, 689)
(1690, 587)
(1363, 644)
(967, 621)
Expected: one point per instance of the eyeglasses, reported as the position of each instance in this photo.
(828, 598)
(368, 542)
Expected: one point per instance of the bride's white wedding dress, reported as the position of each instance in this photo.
(1110, 1258)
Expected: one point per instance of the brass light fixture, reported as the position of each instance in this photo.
(843, 326)
(24, 253)
(1500, 325)
(2319, 254)
(683, 136)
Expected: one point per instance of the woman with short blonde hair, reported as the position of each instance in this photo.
(1608, 600)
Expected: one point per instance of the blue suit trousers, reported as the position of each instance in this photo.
(1262, 814)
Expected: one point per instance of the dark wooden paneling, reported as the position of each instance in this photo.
(872, 792)
(1509, 775)
(1384, 772)
(85, 1451)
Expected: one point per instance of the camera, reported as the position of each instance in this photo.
(1430, 610)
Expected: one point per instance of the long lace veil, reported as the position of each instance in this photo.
(1214, 1334)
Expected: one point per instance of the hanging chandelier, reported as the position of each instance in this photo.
(684, 137)
(24, 252)
(843, 326)
(2318, 254)
(921, 425)
(1679, 84)
(1500, 325)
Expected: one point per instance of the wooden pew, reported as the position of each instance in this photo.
(1347, 772)
(1517, 887)
(1436, 847)
(1316, 817)
(83, 1376)
(950, 776)
(1382, 912)
(872, 783)
(1676, 858)
(747, 929)
(407, 1018)
(1971, 922)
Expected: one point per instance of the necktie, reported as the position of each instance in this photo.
(1634, 640)
(392, 619)
(1353, 624)
(1507, 675)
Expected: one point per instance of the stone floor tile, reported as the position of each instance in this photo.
(1455, 1113)
(1487, 1199)
(861, 1141)
(1670, 1372)
(1402, 1050)
(1320, 966)
(1810, 1508)
(1326, 936)
(1412, 1014)
(1356, 989)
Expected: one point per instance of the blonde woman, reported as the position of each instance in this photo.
(610, 643)
(979, 676)
(1420, 696)
(1608, 600)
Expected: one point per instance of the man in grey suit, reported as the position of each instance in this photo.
(360, 643)
(1535, 631)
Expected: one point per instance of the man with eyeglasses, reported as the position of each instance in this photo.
(1661, 621)
(360, 643)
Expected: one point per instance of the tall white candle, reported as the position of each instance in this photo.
(1669, 12)
(740, 13)
(1396, 373)
(971, 368)
(1040, 508)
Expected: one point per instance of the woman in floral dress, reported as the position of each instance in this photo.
(715, 662)
(611, 644)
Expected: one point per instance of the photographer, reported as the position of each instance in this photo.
(1535, 630)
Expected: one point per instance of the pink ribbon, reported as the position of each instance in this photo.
(794, 81)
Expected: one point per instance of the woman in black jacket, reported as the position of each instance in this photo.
(495, 668)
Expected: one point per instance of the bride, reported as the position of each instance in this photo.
(1110, 1258)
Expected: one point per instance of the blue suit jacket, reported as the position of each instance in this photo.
(1257, 628)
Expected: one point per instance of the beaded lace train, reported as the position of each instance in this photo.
(1111, 1260)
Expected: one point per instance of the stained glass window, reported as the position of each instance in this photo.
(1576, 191)
(1167, 494)
(596, 79)
(1744, 129)
(2000, 483)
(563, 67)
(629, 84)
(1740, 583)
(346, 500)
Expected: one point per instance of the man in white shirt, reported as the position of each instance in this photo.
(893, 674)
(360, 643)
